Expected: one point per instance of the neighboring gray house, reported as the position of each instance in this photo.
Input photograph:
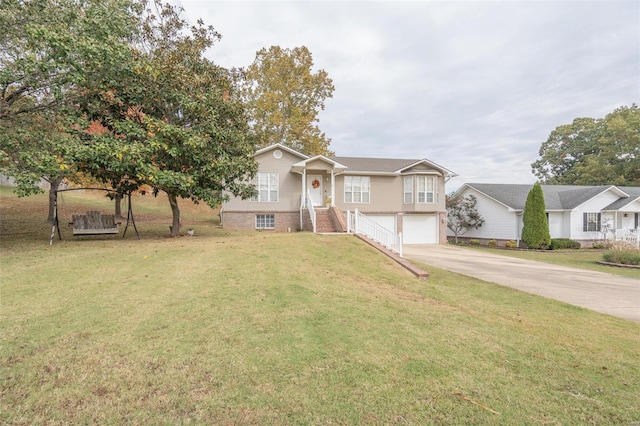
(581, 213)
(405, 196)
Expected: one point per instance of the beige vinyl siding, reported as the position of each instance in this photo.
(387, 195)
(289, 190)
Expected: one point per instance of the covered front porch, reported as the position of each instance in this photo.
(318, 180)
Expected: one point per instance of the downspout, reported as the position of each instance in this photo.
(303, 196)
(518, 228)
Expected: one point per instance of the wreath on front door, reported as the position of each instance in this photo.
(315, 183)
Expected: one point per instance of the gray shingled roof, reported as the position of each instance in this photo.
(556, 197)
(384, 165)
(634, 194)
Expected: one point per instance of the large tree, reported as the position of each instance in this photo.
(535, 230)
(604, 151)
(284, 97)
(174, 123)
(462, 215)
(50, 52)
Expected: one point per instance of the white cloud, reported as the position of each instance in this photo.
(473, 86)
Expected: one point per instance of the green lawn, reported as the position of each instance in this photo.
(583, 258)
(262, 328)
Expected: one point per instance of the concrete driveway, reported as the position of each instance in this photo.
(602, 292)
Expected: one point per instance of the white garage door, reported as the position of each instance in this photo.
(386, 220)
(420, 229)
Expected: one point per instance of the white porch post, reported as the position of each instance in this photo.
(333, 189)
(355, 221)
(304, 185)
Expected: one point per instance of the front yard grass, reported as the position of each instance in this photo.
(582, 258)
(262, 328)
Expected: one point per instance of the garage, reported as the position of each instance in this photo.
(420, 229)
(386, 220)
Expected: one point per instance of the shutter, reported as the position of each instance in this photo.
(637, 220)
(599, 223)
(584, 223)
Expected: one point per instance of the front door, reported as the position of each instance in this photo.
(314, 186)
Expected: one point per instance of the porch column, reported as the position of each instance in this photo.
(333, 189)
(304, 186)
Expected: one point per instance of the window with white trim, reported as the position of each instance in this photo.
(426, 189)
(591, 222)
(357, 189)
(408, 189)
(267, 187)
(265, 221)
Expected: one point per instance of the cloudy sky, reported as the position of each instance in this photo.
(474, 86)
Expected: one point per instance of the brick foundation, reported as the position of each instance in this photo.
(284, 221)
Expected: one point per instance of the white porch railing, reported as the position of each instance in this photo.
(361, 224)
(305, 202)
(629, 236)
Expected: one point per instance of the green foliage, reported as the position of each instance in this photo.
(492, 243)
(474, 242)
(52, 52)
(535, 231)
(511, 244)
(284, 97)
(564, 243)
(589, 151)
(623, 255)
(462, 214)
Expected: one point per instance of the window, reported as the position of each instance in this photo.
(408, 190)
(356, 189)
(267, 186)
(426, 189)
(591, 222)
(265, 221)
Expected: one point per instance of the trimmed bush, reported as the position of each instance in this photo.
(474, 242)
(564, 243)
(492, 243)
(511, 244)
(535, 230)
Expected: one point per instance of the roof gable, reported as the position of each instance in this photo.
(556, 197)
(281, 147)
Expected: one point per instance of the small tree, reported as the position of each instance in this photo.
(462, 214)
(535, 232)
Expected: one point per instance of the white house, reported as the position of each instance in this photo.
(582, 213)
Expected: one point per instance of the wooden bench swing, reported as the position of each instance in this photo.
(92, 222)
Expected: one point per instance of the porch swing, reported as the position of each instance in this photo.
(93, 222)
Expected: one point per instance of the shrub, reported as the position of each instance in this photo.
(535, 230)
(622, 254)
(474, 242)
(564, 243)
(492, 243)
(601, 245)
(511, 244)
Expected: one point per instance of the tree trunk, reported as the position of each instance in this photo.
(53, 194)
(175, 210)
(118, 201)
